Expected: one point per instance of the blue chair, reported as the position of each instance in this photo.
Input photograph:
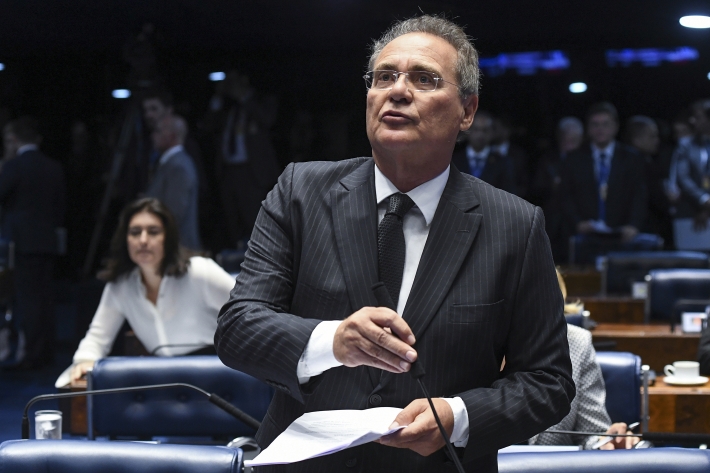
(667, 286)
(78, 456)
(231, 260)
(584, 249)
(654, 460)
(622, 269)
(622, 378)
(174, 412)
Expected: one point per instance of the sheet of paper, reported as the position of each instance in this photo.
(315, 434)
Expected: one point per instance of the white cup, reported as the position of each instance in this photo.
(683, 369)
(48, 425)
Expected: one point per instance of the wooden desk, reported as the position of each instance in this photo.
(655, 344)
(682, 409)
(581, 282)
(614, 309)
(74, 409)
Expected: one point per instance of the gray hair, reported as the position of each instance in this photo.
(570, 125)
(467, 71)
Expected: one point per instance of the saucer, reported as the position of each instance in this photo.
(694, 381)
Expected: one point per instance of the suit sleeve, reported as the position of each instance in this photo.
(255, 332)
(535, 389)
(685, 180)
(9, 176)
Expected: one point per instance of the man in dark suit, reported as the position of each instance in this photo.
(247, 167)
(603, 183)
(175, 182)
(693, 167)
(468, 268)
(32, 195)
(480, 160)
(518, 158)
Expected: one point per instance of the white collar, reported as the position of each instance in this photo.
(425, 196)
(170, 153)
(25, 148)
(608, 151)
(471, 153)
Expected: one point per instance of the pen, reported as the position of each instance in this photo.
(605, 440)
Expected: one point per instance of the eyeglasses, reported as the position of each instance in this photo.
(422, 81)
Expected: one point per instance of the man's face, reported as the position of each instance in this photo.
(480, 133)
(10, 144)
(162, 136)
(413, 127)
(602, 129)
(569, 140)
(154, 110)
(648, 140)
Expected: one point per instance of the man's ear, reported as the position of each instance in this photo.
(470, 105)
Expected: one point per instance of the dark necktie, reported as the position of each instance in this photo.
(391, 250)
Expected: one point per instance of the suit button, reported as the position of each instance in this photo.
(351, 462)
(375, 400)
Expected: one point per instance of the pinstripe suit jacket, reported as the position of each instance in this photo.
(485, 288)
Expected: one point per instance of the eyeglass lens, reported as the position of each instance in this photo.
(420, 80)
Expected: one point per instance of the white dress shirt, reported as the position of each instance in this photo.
(474, 156)
(25, 148)
(608, 153)
(165, 157)
(318, 355)
(185, 313)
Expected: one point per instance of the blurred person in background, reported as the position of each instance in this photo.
(545, 188)
(175, 182)
(500, 142)
(603, 182)
(693, 167)
(33, 199)
(248, 166)
(480, 160)
(170, 299)
(641, 133)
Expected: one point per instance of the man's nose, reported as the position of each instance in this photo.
(400, 90)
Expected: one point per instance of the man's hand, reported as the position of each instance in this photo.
(620, 443)
(368, 338)
(628, 233)
(421, 434)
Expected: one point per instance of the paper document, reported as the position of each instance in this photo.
(315, 434)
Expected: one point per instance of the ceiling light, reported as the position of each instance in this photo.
(121, 93)
(217, 76)
(708, 75)
(2, 66)
(577, 87)
(695, 21)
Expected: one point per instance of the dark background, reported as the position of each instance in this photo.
(63, 58)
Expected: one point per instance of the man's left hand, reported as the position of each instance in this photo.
(421, 434)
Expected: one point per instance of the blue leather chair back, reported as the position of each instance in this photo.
(79, 456)
(175, 411)
(653, 460)
(666, 286)
(622, 378)
(625, 268)
(584, 249)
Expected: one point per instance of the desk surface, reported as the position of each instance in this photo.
(678, 408)
(640, 331)
(661, 388)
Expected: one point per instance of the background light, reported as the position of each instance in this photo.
(577, 87)
(2, 66)
(121, 93)
(217, 76)
(708, 75)
(695, 21)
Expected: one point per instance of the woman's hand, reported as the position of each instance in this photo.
(79, 370)
(620, 443)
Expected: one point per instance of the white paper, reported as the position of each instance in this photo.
(315, 434)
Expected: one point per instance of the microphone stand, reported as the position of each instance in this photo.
(417, 371)
(212, 397)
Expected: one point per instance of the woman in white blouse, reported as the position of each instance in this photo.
(170, 300)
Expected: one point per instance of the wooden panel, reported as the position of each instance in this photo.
(582, 282)
(682, 409)
(661, 413)
(655, 344)
(614, 309)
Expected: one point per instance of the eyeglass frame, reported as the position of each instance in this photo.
(406, 79)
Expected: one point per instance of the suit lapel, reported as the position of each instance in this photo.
(355, 223)
(452, 232)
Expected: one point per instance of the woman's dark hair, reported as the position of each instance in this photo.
(175, 258)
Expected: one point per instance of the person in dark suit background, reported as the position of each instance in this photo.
(468, 267)
(175, 182)
(518, 158)
(247, 167)
(32, 196)
(603, 183)
(693, 167)
(480, 160)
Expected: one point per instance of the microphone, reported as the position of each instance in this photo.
(212, 397)
(417, 371)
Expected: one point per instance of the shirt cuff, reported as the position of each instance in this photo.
(318, 355)
(459, 436)
(704, 198)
